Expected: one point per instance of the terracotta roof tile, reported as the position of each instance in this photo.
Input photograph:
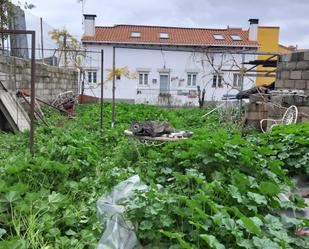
(177, 36)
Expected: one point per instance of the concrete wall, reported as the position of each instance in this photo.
(176, 63)
(50, 81)
(293, 72)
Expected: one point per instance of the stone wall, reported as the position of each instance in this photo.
(293, 71)
(50, 81)
(291, 88)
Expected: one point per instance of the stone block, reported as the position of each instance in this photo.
(306, 56)
(296, 75)
(297, 56)
(307, 87)
(252, 107)
(256, 98)
(286, 57)
(300, 84)
(47, 91)
(291, 65)
(39, 85)
(279, 84)
(275, 112)
(289, 84)
(282, 66)
(256, 115)
(3, 59)
(302, 65)
(304, 110)
(305, 75)
(285, 75)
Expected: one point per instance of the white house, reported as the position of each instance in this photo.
(168, 63)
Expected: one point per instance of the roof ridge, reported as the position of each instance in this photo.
(172, 27)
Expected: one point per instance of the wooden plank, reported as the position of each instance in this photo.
(14, 112)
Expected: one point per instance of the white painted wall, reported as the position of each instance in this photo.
(176, 62)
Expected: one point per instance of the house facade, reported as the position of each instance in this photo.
(166, 65)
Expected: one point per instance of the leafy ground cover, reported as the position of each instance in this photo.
(216, 190)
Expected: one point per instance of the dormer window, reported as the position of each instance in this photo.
(135, 34)
(218, 37)
(164, 35)
(236, 38)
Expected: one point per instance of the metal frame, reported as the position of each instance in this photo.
(32, 85)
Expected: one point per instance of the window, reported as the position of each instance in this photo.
(143, 78)
(164, 83)
(236, 38)
(135, 34)
(236, 80)
(92, 76)
(218, 37)
(164, 35)
(217, 81)
(191, 81)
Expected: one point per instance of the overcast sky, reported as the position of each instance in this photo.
(291, 15)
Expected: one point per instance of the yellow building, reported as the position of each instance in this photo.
(268, 38)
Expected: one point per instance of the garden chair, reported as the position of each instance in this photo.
(289, 117)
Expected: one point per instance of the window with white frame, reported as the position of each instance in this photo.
(164, 35)
(236, 80)
(92, 76)
(217, 80)
(236, 38)
(191, 79)
(218, 37)
(135, 34)
(143, 78)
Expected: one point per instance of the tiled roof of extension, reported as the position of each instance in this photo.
(177, 36)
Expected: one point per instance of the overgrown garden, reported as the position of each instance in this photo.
(218, 189)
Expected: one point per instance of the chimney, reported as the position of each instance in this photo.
(253, 29)
(89, 25)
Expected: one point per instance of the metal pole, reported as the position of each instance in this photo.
(32, 97)
(102, 78)
(42, 40)
(114, 88)
(241, 81)
(65, 47)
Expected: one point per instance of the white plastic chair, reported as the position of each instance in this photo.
(289, 117)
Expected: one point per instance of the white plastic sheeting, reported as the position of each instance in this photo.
(119, 232)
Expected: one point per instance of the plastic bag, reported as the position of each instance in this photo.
(119, 232)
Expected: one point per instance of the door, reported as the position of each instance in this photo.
(164, 83)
